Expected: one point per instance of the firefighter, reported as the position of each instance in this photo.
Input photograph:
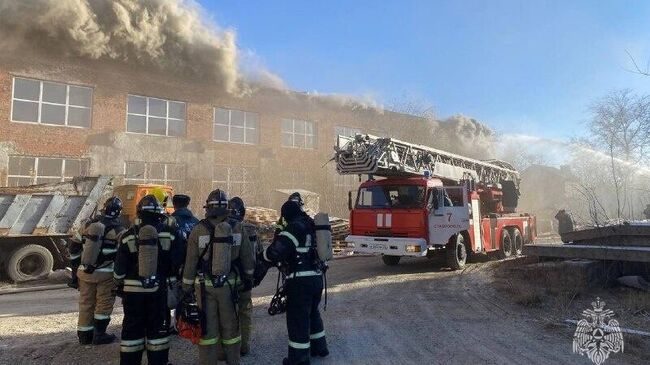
(209, 265)
(248, 252)
(281, 224)
(183, 215)
(147, 256)
(294, 248)
(94, 261)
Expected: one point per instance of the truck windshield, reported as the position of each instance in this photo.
(391, 196)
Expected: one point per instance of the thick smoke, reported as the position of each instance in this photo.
(473, 137)
(168, 34)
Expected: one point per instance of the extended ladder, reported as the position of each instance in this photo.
(367, 154)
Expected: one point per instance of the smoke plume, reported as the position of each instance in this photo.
(168, 34)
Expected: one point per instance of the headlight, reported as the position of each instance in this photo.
(413, 248)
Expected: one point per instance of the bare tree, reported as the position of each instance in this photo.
(620, 127)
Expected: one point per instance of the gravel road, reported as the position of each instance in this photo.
(414, 313)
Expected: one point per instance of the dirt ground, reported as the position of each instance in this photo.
(414, 313)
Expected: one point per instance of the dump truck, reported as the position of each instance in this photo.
(36, 221)
(421, 201)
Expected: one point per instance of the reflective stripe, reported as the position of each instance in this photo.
(74, 257)
(266, 258)
(291, 237)
(132, 345)
(208, 341)
(102, 316)
(316, 336)
(303, 249)
(232, 341)
(132, 342)
(132, 282)
(158, 344)
(158, 341)
(119, 277)
(85, 328)
(108, 251)
(300, 274)
(249, 272)
(108, 268)
(188, 281)
(298, 345)
(135, 289)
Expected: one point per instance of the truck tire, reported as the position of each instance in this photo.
(391, 260)
(29, 262)
(505, 250)
(456, 252)
(517, 241)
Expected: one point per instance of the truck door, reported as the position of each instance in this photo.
(448, 213)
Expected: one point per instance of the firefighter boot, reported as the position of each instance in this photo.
(100, 337)
(85, 337)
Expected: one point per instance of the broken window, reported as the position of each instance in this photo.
(27, 170)
(236, 126)
(51, 103)
(298, 134)
(155, 116)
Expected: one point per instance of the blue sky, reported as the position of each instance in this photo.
(529, 67)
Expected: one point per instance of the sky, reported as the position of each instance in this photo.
(521, 67)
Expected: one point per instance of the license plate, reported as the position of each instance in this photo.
(377, 246)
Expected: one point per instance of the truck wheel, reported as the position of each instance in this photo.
(517, 241)
(456, 252)
(29, 262)
(391, 260)
(505, 250)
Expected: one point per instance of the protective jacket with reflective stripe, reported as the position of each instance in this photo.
(113, 228)
(295, 247)
(126, 262)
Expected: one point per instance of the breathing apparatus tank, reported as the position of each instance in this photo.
(92, 246)
(323, 237)
(148, 255)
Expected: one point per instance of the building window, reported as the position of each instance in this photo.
(51, 103)
(160, 173)
(27, 170)
(155, 116)
(236, 126)
(346, 131)
(235, 180)
(298, 133)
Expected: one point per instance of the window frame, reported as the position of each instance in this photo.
(146, 180)
(228, 183)
(293, 134)
(40, 102)
(229, 125)
(36, 176)
(147, 116)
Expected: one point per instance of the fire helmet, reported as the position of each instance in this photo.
(217, 204)
(237, 208)
(112, 207)
(160, 194)
(290, 210)
(149, 206)
(296, 197)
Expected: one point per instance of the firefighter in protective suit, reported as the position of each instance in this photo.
(248, 251)
(295, 249)
(210, 270)
(146, 258)
(92, 258)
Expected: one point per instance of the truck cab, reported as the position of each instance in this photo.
(407, 216)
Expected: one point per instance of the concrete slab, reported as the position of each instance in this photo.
(594, 252)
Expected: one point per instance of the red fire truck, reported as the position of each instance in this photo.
(419, 200)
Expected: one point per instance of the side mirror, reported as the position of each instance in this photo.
(349, 200)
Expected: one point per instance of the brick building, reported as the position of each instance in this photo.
(62, 117)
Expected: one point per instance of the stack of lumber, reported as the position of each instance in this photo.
(265, 219)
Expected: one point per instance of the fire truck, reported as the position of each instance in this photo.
(420, 201)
